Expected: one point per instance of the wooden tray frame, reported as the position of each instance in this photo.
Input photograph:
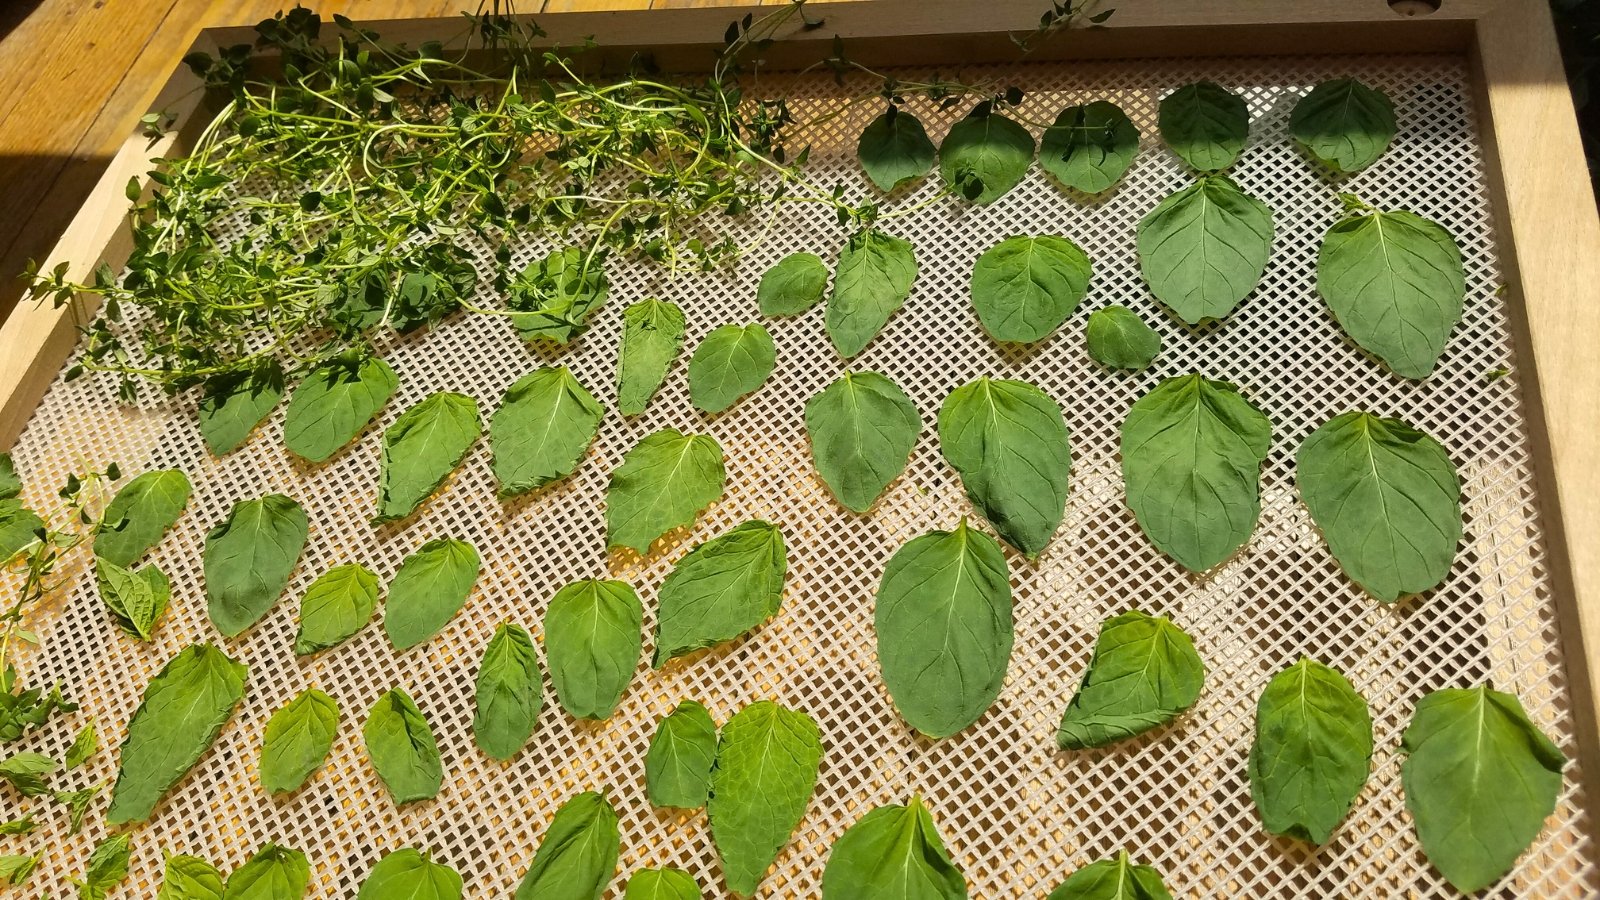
(1548, 231)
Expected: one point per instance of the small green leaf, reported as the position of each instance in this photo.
(26, 771)
(1480, 779)
(334, 403)
(430, 587)
(577, 857)
(421, 449)
(402, 748)
(554, 296)
(77, 804)
(730, 362)
(297, 740)
(107, 868)
(943, 620)
(274, 873)
(862, 428)
(509, 693)
(136, 600)
(662, 884)
(721, 589)
(10, 484)
(25, 825)
(233, 405)
(1387, 500)
(83, 746)
(19, 528)
(893, 853)
(592, 638)
(248, 560)
(183, 710)
(1204, 248)
(1205, 124)
(652, 337)
(1025, 287)
(1119, 339)
(766, 771)
(190, 878)
(1089, 147)
(1009, 442)
(796, 283)
(409, 874)
(985, 155)
(662, 484)
(873, 279)
(677, 768)
(1312, 751)
(894, 149)
(1344, 124)
(140, 514)
(336, 606)
(1144, 673)
(543, 428)
(1113, 879)
(16, 869)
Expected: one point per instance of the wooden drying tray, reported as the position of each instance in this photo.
(1548, 230)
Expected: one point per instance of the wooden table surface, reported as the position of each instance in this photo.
(78, 75)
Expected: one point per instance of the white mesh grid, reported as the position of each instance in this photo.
(1017, 815)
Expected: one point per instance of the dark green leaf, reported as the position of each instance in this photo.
(510, 693)
(893, 853)
(1113, 879)
(402, 749)
(1118, 338)
(421, 449)
(19, 528)
(544, 426)
(578, 855)
(430, 587)
(233, 405)
(1025, 287)
(984, 156)
(873, 279)
(409, 874)
(730, 362)
(1204, 248)
(1344, 124)
(190, 878)
(1089, 147)
(592, 638)
(336, 606)
(10, 484)
(721, 589)
(894, 149)
(796, 283)
(767, 761)
(662, 884)
(274, 873)
(677, 768)
(26, 771)
(248, 560)
(555, 296)
(1144, 673)
(1205, 124)
(652, 335)
(136, 599)
(140, 514)
(662, 484)
(107, 868)
(1312, 751)
(297, 740)
(334, 403)
(862, 429)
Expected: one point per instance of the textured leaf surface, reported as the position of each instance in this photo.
(1480, 779)
(19, 527)
(577, 857)
(1089, 147)
(677, 768)
(1395, 282)
(421, 449)
(721, 589)
(893, 853)
(136, 599)
(297, 740)
(862, 429)
(1025, 287)
(894, 149)
(662, 484)
(1205, 124)
(794, 285)
(943, 620)
(333, 404)
(985, 155)
(662, 884)
(1118, 338)
(542, 429)
(1387, 499)
(556, 295)
(190, 878)
(1192, 450)
(1113, 879)
(510, 693)
(1312, 751)
(336, 606)
(183, 710)
(1204, 248)
(652, 336)
(274, 873)
(248, 560)
(874, 277)
(767, 761)
(731, 361)
(1344, 124)
(402, 748)
(1144, 673)
(593, 632)
(409, 874)
(430, 587)
(232, 406)
(140, 514)
(106, 869)
(1009, 442)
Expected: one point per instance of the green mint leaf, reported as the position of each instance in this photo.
(577, 857)
(83, 746)
(985, 156)
(767, 761)
(509, 693)
(662, 884)
(136, 600)
(1344, 124)
(1204, 248)
(795, 284)
(26, 772)
(1089, 148)
(409, 874)
(872, 280)
(1144, 673)
(427, 591)
(107, 867)
(1205, 124)
(541, 430)
(336, 606)
(721, 589)
(77, 805)
(16, 869)
(1113, 879)
(730, 362)
(1312, 752)
(652, 336)
(894, 149)
(402, 748)
(1118, 338)
(232, 405)
(1024, 287)
(274, 873)
(592, 638)
(25, 825)
(862, 428)
(248, 560)
(677, 768)
(334, 403)
(190, 878)
(555, 296)
(893, 853)
(297, 740)
(663, 483)
(421, 449)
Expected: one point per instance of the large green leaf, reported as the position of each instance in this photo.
(721, 589)
(1344, 124)
(182, 712)
(767, 761)
(1394, 281)
(577, 857)
(1192, 450)
(1113, 879)
(410, 874)
(985, 155)
(510, 693)
(1205, 124)
(336, 606)
(662, 484)
(234, 404)
(677, 768)
(893, 853)
(274, 873)
(190, 878)
(1144, 673)
(19, 527)
(334, 402)
(662, 884)
(136, 599)
(652, 336)
(421, 449)
(248, 560)
(794, 285)
(402, 749)
(592, 638)
(140, 514)
(297, 740)
(554, 296)
(428, 590)
(894, 149)
(1009, 442)
(862, 429)
(1089, 147)
(543, 427)
(1025, 287)
(730, 362)
(1387, 500)
(943, 619)
(1480, 779)
(873, 279)
(1204, 248)
(1312, 751)
(1118, 338)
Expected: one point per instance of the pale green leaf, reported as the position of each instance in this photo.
(1089, 147)
(544, 426)
(893, 853)
(592, 638)
(421, 449)
(794, 285)
(140, 514)
(190, 878)
(873, 279)
(662, 484)
(1205, 124)
(662, 884)
(1144, 673)
(16, 868)
(577, 856)
(25, 771)
(1025, 287)
(1344, 124)
(985, 155)
(410, 874)
(274, 873)
(297, 740)
(136, 600)
(894, 149)
(721, 589)
(1204, 248)
(677, 767)
(509, 693)
(248, 560)
(862, 429)
(652, 336)
(1312, 751)
(402, 748)
(428, 590)
(77, 805)
(336, 606)
(334, 403)
(84, 746)
(1119, 339)
(767, 762)
(730, 362)
(234, 404)
(1113, 879)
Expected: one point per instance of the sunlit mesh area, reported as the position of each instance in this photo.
(1016, 814)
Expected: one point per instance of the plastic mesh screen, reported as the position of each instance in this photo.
(1017, 815)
